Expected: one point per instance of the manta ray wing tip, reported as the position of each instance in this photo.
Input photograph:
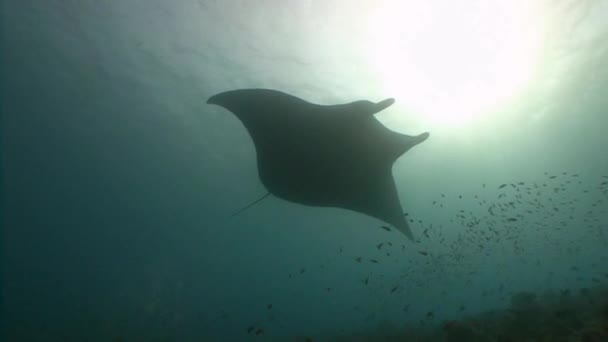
(404, 228)
(212, 100)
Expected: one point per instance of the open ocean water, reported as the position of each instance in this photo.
(119, 180)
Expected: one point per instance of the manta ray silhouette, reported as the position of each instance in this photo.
(327, 156)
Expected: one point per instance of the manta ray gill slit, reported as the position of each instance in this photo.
(453, 62)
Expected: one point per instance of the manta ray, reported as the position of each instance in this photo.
(324, 155)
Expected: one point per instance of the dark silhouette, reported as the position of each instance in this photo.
(330, 156)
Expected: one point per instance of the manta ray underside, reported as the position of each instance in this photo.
(327, 156)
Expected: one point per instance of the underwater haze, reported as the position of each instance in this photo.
(120, 181)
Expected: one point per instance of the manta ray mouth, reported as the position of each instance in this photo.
(382, 105)
(422, 137)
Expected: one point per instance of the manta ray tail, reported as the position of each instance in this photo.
(250, 205)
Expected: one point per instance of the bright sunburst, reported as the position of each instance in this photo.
(454, 61)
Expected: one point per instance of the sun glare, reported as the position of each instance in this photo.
(452, 62)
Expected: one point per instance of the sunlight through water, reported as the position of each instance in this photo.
(453, 63)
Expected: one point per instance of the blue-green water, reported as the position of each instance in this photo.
(119, 180)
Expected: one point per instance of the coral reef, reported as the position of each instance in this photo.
(567, 316)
